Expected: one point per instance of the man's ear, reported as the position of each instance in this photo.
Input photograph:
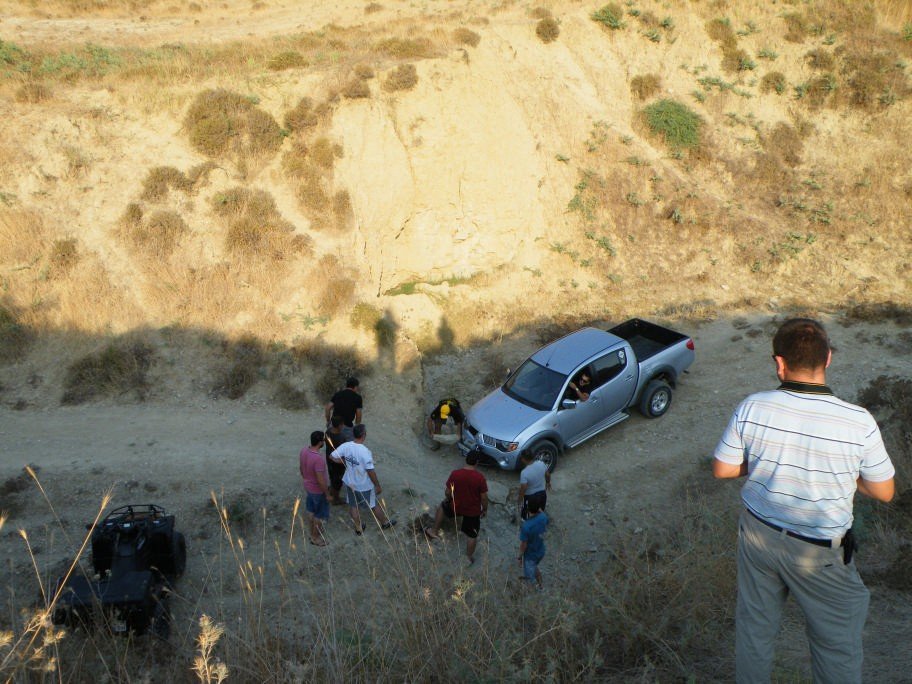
(781, 368)
(829, 358)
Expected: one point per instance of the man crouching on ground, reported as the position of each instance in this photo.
(466, 495)
(804, 453)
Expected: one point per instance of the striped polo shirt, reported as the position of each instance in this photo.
(805, 449)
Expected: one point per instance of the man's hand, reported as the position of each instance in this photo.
(378, 489)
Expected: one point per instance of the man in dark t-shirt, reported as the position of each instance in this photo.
(347, 403)
(466, 495)
(334, 438)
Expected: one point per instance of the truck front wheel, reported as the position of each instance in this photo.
(656, 399)
(546, 452)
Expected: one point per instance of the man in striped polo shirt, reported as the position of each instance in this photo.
(804, 453)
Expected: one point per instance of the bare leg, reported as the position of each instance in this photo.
(438, 521)
(471, 543)
(379, 514)
(355, 516)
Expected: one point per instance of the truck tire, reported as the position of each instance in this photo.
(656, 399)
(546, 451)
(178, 554)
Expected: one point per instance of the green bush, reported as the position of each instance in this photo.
(675, 122)
(611, 15)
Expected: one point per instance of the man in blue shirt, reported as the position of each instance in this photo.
(532, 543)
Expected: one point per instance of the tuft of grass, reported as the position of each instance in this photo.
(254, 226)
(610, 15)
(290, 397)
(547, 30)
(324, 153)
(32, 92)
(15, 337)
(221, 123)
(243, 368)
(406, 48)
(796, 27)
(63, 257)
(161, 179)
(356, 89)
(465, 36)
(645, 86)
(289, 59)
(774, 81)
(372, 7)
(678, 125)
(541, 13)
(302, 117)
(117, 370)
(156, 234)
(403, 77)
(364, 71)
(820, 59)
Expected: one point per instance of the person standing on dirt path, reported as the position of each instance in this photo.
(335, 437)
(534, 483)
(466, 495)
(532, 543)
(347, 402)
(313, 472)
(361, 479)
(804, 453)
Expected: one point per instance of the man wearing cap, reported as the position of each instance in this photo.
(804, 453)
(445, 410)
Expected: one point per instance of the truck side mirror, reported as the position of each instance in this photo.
(568, 404)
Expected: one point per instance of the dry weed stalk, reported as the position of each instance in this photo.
(209, 669)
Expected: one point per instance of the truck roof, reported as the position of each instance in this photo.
(565, 354)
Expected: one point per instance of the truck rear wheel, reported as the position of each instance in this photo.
(547, 452)
(656, 399)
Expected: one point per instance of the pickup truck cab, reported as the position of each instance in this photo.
(634, 364)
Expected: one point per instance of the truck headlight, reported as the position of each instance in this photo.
(501, 445)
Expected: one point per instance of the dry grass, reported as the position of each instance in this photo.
(254, 226)
(63, 257)
(466, 36)
(243, 367)
(155, 235)
(337, 287)
(407, 48)
(15, 338)
(160, 180)
(290, 59)
(324, 153)
(547, 30)
(645, 86)
(116, 371)
(774, 81)
(33, 92)
(303, 116)
(221, 123)
(403, 77)
(356, 89)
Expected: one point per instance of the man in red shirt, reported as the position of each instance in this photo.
(313, 472)
(466, 495)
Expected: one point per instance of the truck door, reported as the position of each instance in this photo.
(612, 386)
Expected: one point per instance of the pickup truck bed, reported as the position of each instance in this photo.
(647, 339)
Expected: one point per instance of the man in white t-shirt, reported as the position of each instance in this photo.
(361, 479)
(534, 481)
(805, 453)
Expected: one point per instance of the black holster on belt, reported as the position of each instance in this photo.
(848, 547)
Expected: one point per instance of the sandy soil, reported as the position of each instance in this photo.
(629, 477)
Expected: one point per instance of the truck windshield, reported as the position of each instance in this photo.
(534, 385)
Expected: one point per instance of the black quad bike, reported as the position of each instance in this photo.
(136, 556)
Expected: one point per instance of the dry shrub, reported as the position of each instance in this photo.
(221, 123)
(819, 89)
(541, 13)
(157, 234)
(311, 190)
(331, 365)
(337, 293)
(874, 80)
(342, 207)
(161, 179)
(289, 59)
(15, 337)
(290, 397)
(465, 36)
(547, 30)
(372, 7)
(406, 48)
(820, 59)
(118, 369)
(796, 27)
(255, 228)
(364, 71)
(774, 81)
(243, 367)
(302, 117)
(403, 77)
(32, 92)
(63, 257)
(324, 153)
(785, 143)
(356, 89)
(644, 87)
(295, 162)
(720, 31)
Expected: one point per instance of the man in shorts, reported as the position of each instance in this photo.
(534, 481)
(361, 480)
(532, 544)
(466, 495)
(313, 472)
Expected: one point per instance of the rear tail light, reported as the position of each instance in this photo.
(690, 345)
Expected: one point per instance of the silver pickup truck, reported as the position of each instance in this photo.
(636, 363)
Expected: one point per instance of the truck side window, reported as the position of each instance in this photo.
(608, 367)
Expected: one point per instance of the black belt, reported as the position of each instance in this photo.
(829, 543)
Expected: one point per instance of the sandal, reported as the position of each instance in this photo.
(388, 524)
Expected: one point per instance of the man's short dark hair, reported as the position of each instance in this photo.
(316, 437)
(352, 382)
(337, 421)
(473, 457)
(526, 456)
(533, 505)
(359, 430)
(803, 343)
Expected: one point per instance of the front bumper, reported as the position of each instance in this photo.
(491, 456)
